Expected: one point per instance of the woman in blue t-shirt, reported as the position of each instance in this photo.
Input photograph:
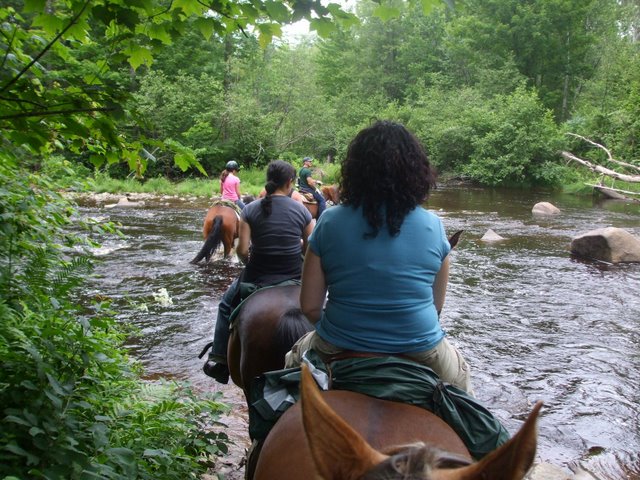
(382, 259)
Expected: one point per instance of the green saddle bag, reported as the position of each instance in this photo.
(388, 378)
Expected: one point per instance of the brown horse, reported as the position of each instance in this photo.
(340, 435)
(330, 194)
(220, 226)
(268, 323)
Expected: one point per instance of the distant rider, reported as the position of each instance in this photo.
(230, 184)
(306, 183)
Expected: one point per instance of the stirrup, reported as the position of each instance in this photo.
(205, 349)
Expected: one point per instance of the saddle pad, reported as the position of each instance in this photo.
(225, 203)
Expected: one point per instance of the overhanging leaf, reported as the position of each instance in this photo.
(386, 12)
(323, 26)
(138, 55)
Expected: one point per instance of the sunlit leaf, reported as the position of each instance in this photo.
(386, 12)
(429, 5)
(159, 32)
(205, 27)
(323, 26)
(138, 55)
(31, 6)
(189, 7)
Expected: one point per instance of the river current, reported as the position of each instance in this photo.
(533, 322)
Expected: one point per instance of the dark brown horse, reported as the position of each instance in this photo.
(220, 226)
(268, 323)
(340, 435)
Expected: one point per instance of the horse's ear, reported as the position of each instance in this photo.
(455, 238)
(509, 462)
(338, 451)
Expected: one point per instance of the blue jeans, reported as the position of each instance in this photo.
(240, 203)
(221, 334)
(322, 203)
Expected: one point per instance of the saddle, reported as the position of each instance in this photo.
(384, 377)
(308, 196)
(246, 290)
(225, 203)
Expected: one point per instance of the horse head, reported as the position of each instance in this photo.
(339, 452)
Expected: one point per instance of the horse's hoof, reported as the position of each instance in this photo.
(218, 371)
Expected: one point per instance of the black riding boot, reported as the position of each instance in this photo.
(216, 370)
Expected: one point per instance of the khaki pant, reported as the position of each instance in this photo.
(444, 359)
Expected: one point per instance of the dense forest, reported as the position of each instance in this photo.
(490, 87)
(150, 88)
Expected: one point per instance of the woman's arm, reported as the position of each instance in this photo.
(440, 284)
(305, 235)
(314, 288)
(238, 190)
(244, 240)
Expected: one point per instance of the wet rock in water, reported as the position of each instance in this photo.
(545, 208)
(546, 471)
(610, 244)
(491, 236)
(125, 202)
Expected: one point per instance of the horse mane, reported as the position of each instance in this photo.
(414, 462)
(293, 324)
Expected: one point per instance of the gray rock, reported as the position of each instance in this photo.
(610, 244)
(545, 208)
(124, 202)
(491, 236)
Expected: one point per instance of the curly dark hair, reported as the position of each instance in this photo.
(387, 172)
(279, 173)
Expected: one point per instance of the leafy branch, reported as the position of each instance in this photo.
(45, 49)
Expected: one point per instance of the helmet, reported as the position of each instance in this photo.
(307, 159)
(232, 165)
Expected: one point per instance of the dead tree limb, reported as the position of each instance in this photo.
(602, 170)
(606, 150)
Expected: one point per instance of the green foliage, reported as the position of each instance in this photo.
(57, 87)
(502, 140)
(72, 406)
(519, 146)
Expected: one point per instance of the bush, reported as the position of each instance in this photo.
(521, 146)
(73, 405)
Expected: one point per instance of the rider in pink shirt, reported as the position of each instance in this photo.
(230, 184)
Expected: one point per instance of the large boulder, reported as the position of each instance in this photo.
(610, 244)
(545, 208)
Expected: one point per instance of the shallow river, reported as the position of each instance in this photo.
(533, 322)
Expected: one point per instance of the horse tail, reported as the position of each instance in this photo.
(211, 243)
(293, 324)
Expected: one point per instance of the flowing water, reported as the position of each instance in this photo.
(533, 322)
